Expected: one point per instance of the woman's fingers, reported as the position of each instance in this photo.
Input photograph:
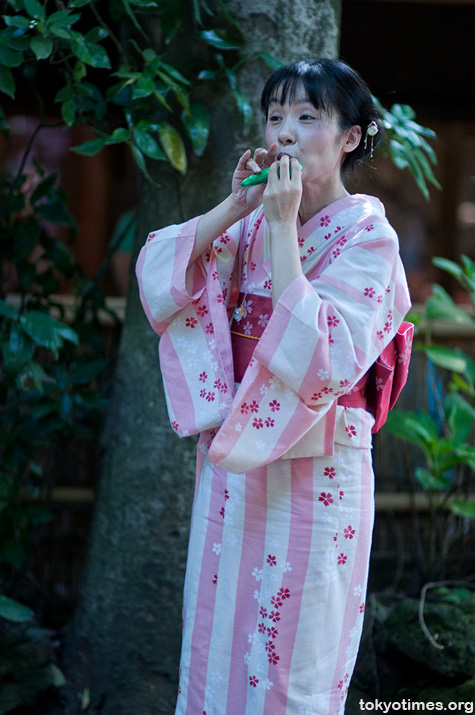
(286, 168)
(271, 153)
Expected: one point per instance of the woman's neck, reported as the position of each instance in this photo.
(314, 199)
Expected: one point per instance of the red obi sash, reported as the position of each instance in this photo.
(377, 390)
(249, 322)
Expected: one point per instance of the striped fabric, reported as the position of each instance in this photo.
(275, 585)
(283, 510)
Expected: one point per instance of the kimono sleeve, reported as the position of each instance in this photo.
(162, 269)
(328, 329)
(325, 332)
(194, 348)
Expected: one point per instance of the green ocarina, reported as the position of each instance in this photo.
(254, 179)
(259, 178)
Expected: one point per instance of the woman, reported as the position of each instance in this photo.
(283, 509)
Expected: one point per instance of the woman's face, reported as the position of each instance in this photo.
(312, 136)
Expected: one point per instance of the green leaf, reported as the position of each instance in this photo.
(17, 21)
(8, 311)
(449, 266)
(440, 306)
(464, 509)
(448, 358)
(452, 595)
(42, 46)
(14, 611)
(19, 349)
(428, 480)
(146, 143)
(7, 83)
(183, 99)
(17, 39)
(173, 73)
(460, 416)
(144, 3)
(58, 678)
(32, 374)
(121, 134)
(171, 19)
(62, 18)
(245, 109)
(427, 430)
(55, 211)
(46, 331)
(91, 53)
(464, 275)
(35, 9)
(80, 71)
(96, 34)
(143, 88)
(140, 161)
(403, 112)
(68, 111)
(426, 168)
(83, 374)
(207, 75)
(125, 6)
(90, 147)
(415, 427)
(43, 189)
(468, 264)
(172, 145)
(403, 156)
(220, 39)
(270, 60)
(197, 125)
(231, 77)
(467, 453)
(89, 90)
(9, 57)
(198, 5)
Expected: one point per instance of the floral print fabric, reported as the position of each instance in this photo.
(283, 511)
(275, 585)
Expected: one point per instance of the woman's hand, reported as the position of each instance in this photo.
(282, 198)
(251, 197)
(283, 192)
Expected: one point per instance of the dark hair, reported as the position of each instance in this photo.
(330, 85)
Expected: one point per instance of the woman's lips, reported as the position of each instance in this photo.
(284, 153)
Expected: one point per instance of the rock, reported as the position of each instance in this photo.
(452, 625)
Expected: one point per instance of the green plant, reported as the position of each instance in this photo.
(109, 75)
(444, 433)
(27, 665)
(119, 84)
(49, 368)
(407, 144)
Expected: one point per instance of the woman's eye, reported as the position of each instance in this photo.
(306, 117)
(274, 118)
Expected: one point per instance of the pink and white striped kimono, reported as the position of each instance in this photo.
(283, 509)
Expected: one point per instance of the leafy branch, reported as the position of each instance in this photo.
(407, 144)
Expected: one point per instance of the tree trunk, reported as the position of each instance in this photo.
(124, 642)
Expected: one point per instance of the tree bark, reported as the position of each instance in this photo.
(124, 643)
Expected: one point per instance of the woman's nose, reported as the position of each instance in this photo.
(286, 134)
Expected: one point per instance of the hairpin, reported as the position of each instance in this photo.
(371, 130)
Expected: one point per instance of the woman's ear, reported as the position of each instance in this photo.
(353, 138)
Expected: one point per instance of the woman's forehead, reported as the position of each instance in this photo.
(293, 92)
